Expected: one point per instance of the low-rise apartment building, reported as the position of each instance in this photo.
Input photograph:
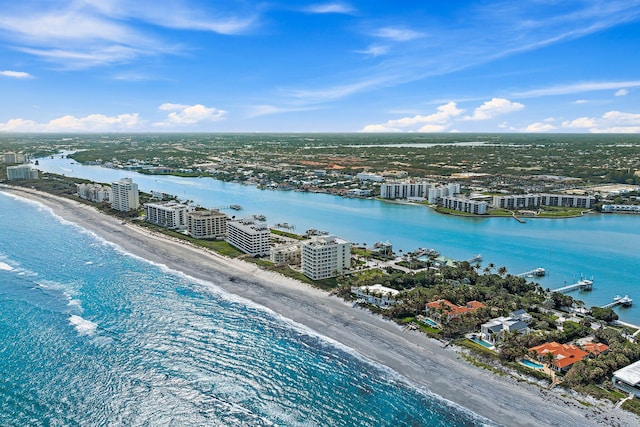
(465, 205)
(93, 192)
(519, 201)
(286, 254)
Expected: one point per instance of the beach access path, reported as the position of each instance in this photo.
(419, 359)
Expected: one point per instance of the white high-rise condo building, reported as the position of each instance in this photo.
(21, 172)
(207, 224)
(325, 256)
(124, 195)
(168, 214)
(250, 235)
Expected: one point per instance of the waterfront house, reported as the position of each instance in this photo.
(376, 294)
(627, 379)
(443, 309)
(493, 330)
(564, 355)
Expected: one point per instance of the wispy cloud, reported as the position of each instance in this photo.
(178, 14)
(398, 34)
(374, 50)
(16, 74)
(265, 110)
(622, 92)
(87, 33)
(308, 96)
(489, 31)
(330, 8)
(576, 88)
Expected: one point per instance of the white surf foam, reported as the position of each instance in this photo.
(83, 326)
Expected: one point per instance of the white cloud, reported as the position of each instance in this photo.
(330, 8)
(436, 122)
(15, 74)
(398, 34)
(68, 123)
(617, 129)
(622, 92)
(433, 128)
(495, 107)
(189, 114)
(580, 101)
(619, 117)
(610, 122)
(580, 123)
(379, 128)
(539, 127)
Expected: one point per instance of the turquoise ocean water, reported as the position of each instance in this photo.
(90, 335)
(605, 248)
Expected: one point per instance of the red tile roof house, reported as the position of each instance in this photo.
(565, 355)
(444, 309)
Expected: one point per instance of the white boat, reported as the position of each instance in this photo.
(626, 301)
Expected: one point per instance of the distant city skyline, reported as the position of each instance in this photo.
(305, 66)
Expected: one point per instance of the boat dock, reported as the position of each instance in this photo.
(475, 258)
(537, 272)
(618, 300)
(582, 284)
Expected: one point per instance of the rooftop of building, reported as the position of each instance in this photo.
(630, 374)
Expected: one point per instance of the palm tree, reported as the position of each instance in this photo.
(502, 271)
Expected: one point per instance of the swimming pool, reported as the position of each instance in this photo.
(482, 343)
(528, 363)
(430, 322)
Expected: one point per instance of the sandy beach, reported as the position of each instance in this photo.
(421, 360)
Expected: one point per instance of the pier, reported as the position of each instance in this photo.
(475, 258)
(618, 300)
(582, 284)
(537, 272)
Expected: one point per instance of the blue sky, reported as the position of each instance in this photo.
(305, 66)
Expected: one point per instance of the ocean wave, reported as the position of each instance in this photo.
(5, 267)
(83, 326)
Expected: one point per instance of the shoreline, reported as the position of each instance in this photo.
(417, 358)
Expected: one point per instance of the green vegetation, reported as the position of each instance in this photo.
(605, 314)
(287, 234)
